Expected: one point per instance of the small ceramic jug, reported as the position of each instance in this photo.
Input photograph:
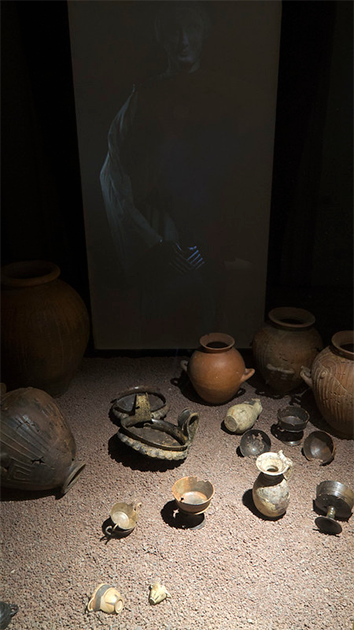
(270, 490)
(216, 369)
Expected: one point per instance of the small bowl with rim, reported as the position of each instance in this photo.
(192, 495)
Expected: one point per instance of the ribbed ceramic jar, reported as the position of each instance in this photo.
(44, 327)
(286, 342)
(332, 380)
(37, 446)
(216, 369)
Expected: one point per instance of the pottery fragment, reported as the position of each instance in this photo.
(157, 593)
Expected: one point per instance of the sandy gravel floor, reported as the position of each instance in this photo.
(240, 571)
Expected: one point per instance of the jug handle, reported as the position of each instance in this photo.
(305, 374)
(184, 364)
(289, 471)
(247, 374)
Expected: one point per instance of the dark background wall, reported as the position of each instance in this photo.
(311, 230)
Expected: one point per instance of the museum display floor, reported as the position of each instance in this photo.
(239, 571)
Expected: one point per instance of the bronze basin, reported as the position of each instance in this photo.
(192, 495)
(140, 412)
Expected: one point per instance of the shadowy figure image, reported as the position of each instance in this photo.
(167, 183)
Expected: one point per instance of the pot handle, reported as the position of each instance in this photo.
(109, 529)
(184, 364)
(305, 374)
(289, 463)
(247, 374)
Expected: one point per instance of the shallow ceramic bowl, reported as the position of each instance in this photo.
(192, 495)
(254, 442)
(319, 445)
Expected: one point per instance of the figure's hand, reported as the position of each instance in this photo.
(185, 260)
(166, 255)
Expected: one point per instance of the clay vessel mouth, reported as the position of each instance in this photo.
(271, 464)
(343, 342)
(72, 476)
(291, 318)
(217, 342)
(29, 273)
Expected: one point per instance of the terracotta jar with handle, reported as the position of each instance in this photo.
(286, 342)
(44, 327)
(216, 369)
(332, 380)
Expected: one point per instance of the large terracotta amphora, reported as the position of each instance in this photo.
(332, 380)
(216, 369)
(37, 447)
(270, 490)
(44, 327)
(285, 343)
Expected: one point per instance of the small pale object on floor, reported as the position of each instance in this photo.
(240, 418)
(106, 598)
(157, 593)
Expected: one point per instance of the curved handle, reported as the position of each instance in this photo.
(109, 529)
(289, 463)
(305, 374)
(90, 605)
(184, 364)
(188, 422)
(247, 374)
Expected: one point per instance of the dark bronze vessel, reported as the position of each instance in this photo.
(254, 442)
(319, 445)
(291, 424)
(140, 412)
(7, 611)
(337, 500)
(37, 446)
